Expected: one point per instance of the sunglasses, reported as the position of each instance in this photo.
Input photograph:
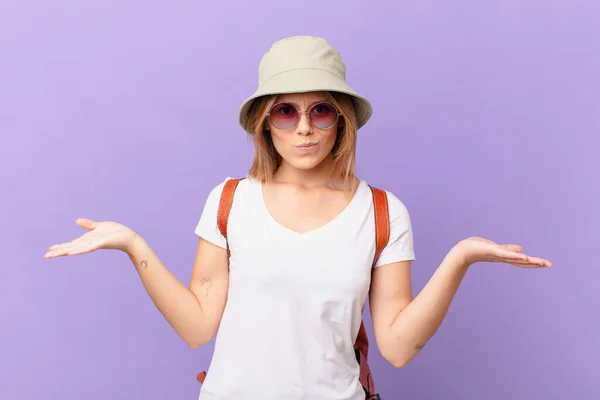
(285, 116)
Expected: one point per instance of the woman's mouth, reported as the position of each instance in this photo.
(306, 146)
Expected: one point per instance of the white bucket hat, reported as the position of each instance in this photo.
(303, 64)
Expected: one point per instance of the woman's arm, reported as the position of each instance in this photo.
(404, 325)
(194, 313)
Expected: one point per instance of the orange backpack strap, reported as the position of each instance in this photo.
(225, 203)
(382, 221)
(382, 236)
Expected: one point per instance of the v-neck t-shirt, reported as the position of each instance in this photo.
(295, 300)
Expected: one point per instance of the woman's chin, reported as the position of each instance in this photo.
(306, 163)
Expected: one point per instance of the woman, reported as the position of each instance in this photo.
(287, 301)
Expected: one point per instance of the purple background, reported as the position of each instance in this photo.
(487, 116)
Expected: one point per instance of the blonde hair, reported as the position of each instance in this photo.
(267, 160)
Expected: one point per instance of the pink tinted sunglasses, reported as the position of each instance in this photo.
(285, 116)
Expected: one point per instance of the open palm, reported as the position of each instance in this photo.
(477, 249)
(100, 235)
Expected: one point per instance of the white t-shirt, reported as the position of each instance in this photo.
(295, 300)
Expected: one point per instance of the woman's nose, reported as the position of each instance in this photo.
(304, 125)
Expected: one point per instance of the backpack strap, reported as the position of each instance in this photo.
(382, 221)
(225, 203)
(382, 236)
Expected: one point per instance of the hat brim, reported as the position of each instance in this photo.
(307, 80)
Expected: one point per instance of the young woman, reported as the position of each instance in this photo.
(287, 299)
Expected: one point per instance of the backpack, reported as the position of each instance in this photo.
(382, 235)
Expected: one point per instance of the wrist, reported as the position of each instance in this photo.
(134, 245)
(459, 257)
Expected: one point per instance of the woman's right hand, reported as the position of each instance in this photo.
(100, 235)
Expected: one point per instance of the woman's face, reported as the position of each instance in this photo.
(303, 145)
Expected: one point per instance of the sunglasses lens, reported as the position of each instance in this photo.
(323, 115)
(284, 116)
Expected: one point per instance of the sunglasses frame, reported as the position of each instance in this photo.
(307, 112)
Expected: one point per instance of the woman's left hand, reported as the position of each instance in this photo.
(476, 249)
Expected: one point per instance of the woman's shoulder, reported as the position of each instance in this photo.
(243, 183)
(395, 204)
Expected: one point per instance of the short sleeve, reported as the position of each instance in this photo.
(400, 245)
(207, 227)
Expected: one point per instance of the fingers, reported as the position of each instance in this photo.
(504, 254)
(83, 244)
(86, 223)
(82, 239)
(536, 261)
(531, 265)
(512, 254)
(68, 250)
(526, 265)
(58, 246)
(80, 245)
(526, 262)
(540, 261)
(512, 247)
